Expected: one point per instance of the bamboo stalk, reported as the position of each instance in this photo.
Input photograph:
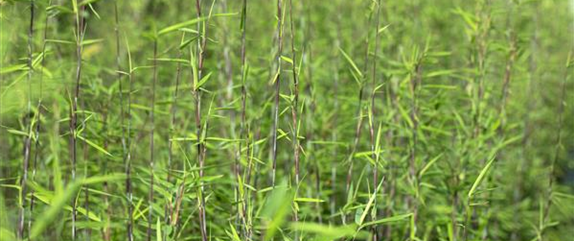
(27, 120)
(151, 145)
(414, 85)
(557, 146)
(168, 209)
(502, 115)
(201, 45)
(38, 118)
(294, 106)
(128, 168)
(334, 134)
(277, 82)
(80, 33)
(242, 131)
(374, 155)
(107, 231)
(481, 49)
(359, 107)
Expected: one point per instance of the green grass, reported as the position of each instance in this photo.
(286, 120)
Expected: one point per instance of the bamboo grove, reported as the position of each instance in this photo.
(286, 120)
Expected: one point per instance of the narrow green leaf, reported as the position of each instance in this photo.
(388, 220)
(350, 61)
(203, 80)
(481, 176)
(94, 145)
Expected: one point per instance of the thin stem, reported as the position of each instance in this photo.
(242, 132)
(359, 108)
(506, 83)
(107, 229)
(80, 32)
(295, 104)
(128, 167)
(201, 45)
(173, 111)
(374, 156)
(481, 50)
(27, 139)
(39, 116)
(334, 134)
(277, 88)
(415, 82)
(151, 145)
(557, 146)
(294, 111)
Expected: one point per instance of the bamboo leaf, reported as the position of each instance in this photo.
(388, 220)
(203, 80)
(352, 63)
(94, 145)
(481, 176)
(310, 200)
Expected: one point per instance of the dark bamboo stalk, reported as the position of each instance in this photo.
(128, 168)
(248, 225)
(242, 134)
(27, 139)
(307, 60)
(168, 209)
(119, 79)
(502, 107)
(294, 106)
(415, 82)
(80, 32)
(151, 145)
(359, 108)
(481, 50)
(87, 230)
(334, 134)
(506, 83)
(107, 231)
(374, 155)
(197, 93)
(294, 111)
(557, 146)
(277, 81)
(38, 118)
(392, 103)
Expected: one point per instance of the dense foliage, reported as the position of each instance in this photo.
(286, 120)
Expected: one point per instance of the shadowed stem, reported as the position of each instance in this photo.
(38, 117)
(27, 120)
(242, 131)
(80, 33)
(201, 45)
(374, 155)
(294, 106)
(128, 164)
(277, 81)
(551, 174)
(169, 210)
(151, 145)
(414, 84)
(359, 108)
